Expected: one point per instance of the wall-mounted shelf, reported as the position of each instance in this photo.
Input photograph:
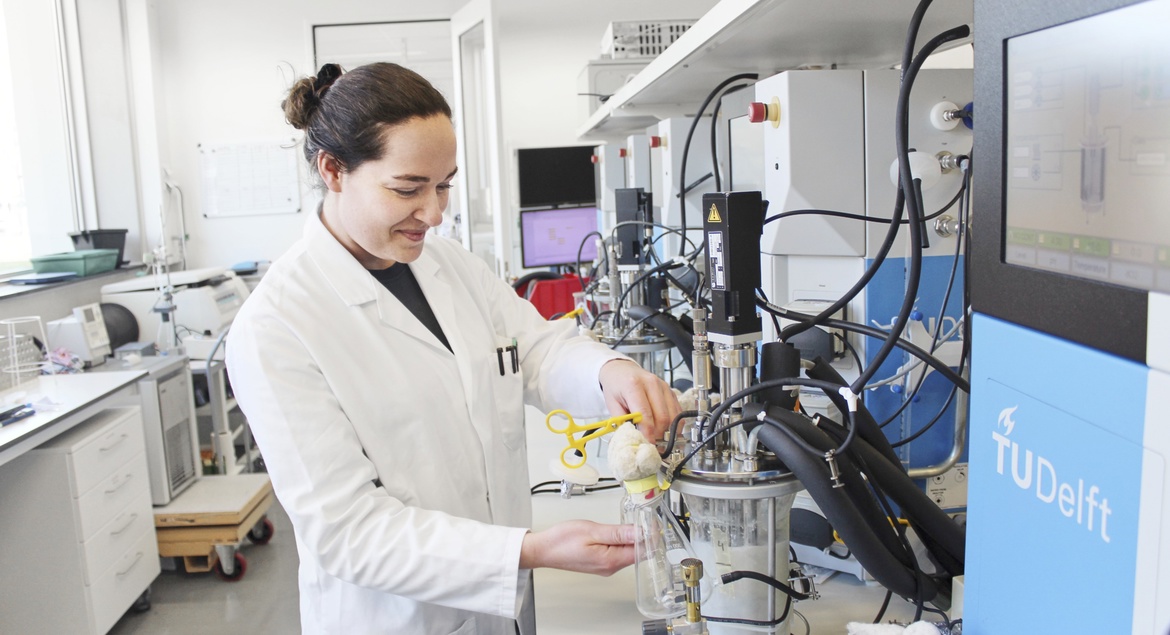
(765, 37)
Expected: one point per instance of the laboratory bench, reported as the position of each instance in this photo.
(79, 543)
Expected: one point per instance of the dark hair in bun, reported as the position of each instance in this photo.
(345, 114)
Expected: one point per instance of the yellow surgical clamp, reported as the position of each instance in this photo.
(596, 430)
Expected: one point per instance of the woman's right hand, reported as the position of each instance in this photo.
(579, 545)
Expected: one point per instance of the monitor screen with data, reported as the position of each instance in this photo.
(552, 237)
(1087, 148)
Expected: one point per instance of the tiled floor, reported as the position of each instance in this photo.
(263, 601)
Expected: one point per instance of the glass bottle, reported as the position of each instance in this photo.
(660, 546)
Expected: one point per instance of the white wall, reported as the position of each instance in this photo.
(542, 51)
(226, 64)
(225, 68)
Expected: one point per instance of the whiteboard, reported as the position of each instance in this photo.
(247, 179)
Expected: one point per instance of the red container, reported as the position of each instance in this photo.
(551, 297)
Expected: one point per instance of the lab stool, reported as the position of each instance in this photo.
(206, 523)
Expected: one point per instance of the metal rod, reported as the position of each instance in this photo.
(772, 559)
(958, 445)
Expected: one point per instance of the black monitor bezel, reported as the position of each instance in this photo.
(1100, 315)
(551, 155)
(520, 219)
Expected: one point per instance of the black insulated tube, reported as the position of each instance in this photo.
(813, 473)
(936, 528)
(867, 427)
(777, 361)
(855, 486)
(670, 328)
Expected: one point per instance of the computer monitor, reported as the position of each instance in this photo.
(1072, 169)
(552, 237)
(556, 177)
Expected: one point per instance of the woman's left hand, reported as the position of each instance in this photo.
(628, 388)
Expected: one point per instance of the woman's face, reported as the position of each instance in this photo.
(382, 210)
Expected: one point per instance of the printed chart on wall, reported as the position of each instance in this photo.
(248, 179)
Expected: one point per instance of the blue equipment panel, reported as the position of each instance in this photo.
(1067, 488)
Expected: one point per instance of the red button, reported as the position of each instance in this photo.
(595, 159)
(655, 141)
(622, 153)
(757, 112)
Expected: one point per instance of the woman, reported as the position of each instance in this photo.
(384, 374)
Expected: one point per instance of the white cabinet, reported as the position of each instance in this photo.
(76, 520)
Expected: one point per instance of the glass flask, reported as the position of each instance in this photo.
(660, 546)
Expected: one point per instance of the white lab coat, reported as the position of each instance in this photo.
(402, 466)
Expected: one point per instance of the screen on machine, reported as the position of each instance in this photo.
(1087, 149)
(551, 237)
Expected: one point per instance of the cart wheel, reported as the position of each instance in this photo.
(262, 532)
(241, 567)
(142, 604)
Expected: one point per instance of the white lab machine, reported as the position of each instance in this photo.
(169, 423)
(205, 301)
(83, 334)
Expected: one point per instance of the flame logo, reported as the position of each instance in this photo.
(1005, 420)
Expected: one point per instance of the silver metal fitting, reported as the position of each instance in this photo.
(834, 471)
(947, 161)
(946, 226)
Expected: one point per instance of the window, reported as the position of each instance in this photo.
(14, 241)
(40, 177)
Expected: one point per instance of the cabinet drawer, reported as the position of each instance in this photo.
(113, 493)
(121, 583)
(109, 446)
(117, 536)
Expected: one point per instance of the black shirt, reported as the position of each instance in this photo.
(400, 280)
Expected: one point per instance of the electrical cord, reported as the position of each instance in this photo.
(900, 204)
(907, 369)
(581, 249)
(885, 605)
(674, 430)
(633, 327)
(913, 200)
(876, 333)
(829, 388)
(538, 488)
(666, 230)
(921, 431)
(597, 318)
(682, 171)
(714, 128)
(861, 217)
(587, 490)
(807, 626)
(733, 576)
(960, 323)
(790, 595)
(670, 264)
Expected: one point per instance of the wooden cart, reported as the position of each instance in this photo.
(206, 524)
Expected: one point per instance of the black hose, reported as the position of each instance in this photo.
(535, 275)
(682, 169)
(913, 201)
(668, 326)
(855, 486)
(909, 347)
(877, 559)
(867, 427)
(934, 525)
